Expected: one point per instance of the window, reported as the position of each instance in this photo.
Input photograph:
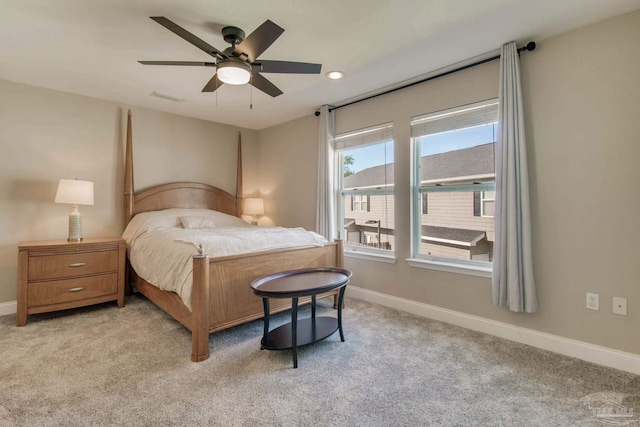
(360, 203)
(454, 184)
(483, 203)
(365, 193)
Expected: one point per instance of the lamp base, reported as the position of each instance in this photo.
(75, 225)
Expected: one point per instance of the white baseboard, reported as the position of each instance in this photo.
(10, 307)
(617, 359)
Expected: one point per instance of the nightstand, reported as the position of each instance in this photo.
(57, 275)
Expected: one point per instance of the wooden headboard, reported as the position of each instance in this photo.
(179, 194)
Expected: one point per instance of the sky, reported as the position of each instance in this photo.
(379, 154)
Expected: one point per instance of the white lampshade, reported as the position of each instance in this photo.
(233, 72)
(253, 206)
(75, 192)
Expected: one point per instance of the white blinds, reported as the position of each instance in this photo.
(477, 114)
(367, 136)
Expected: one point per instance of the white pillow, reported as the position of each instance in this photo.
(197, 222)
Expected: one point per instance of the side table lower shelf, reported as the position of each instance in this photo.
(308, 331)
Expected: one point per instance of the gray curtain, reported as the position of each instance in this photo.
(325, 212)
(512, 283)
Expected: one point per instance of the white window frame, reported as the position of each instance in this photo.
(433, 123)
(359, 138)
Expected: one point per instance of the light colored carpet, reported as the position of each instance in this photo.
(131, 366)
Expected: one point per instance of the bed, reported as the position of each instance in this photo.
(220, 293)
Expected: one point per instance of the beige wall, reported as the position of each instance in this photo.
(582, 100)
(289, 173)
(46, 135)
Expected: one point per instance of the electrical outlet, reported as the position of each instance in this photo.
(620, 306)
(593, 301)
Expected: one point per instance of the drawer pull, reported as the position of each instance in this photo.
(77, 264)
(76, 289)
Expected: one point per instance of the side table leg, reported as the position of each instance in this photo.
(265, 334)
(294, 331)
(340, 298)
(313, 307)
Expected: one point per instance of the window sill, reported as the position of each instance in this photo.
(389, 259)
(451, 267)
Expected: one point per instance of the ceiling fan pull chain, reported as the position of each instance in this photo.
(251, 94)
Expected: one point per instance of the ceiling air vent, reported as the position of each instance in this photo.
(167, 96)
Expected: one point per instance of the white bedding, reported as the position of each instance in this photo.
(160, 249)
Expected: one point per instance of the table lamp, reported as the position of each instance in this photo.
(254, 206)
(75, 192)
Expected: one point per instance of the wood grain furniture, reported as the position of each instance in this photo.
(57, 274)
(295, 284)
(221, 296)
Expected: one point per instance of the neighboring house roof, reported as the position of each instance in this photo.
(472, 161)
(455, 236)
(377, 175)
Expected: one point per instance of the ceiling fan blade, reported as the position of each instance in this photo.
(178, 30)
(264, 85)
(258, 41)
(213, 84)
(287, 67)
(187, 63)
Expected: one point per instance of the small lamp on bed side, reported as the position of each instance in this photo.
(254, 206)
(75, 192)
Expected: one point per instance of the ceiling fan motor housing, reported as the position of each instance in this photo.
(233, 35)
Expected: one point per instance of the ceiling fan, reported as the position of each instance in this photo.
(239, 64)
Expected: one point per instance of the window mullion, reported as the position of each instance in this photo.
(387, 191)
(484, 186)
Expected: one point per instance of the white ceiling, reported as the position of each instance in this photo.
(91, 47)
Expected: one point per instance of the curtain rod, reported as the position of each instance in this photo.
(529, 47)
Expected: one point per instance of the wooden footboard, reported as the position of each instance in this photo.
(222, 297)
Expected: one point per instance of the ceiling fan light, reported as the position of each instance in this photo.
(233, 72)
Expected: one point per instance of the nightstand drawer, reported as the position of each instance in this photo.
(61, 291)
(72, 264)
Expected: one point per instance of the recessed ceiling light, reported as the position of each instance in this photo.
(166, 96)
(335, 75)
